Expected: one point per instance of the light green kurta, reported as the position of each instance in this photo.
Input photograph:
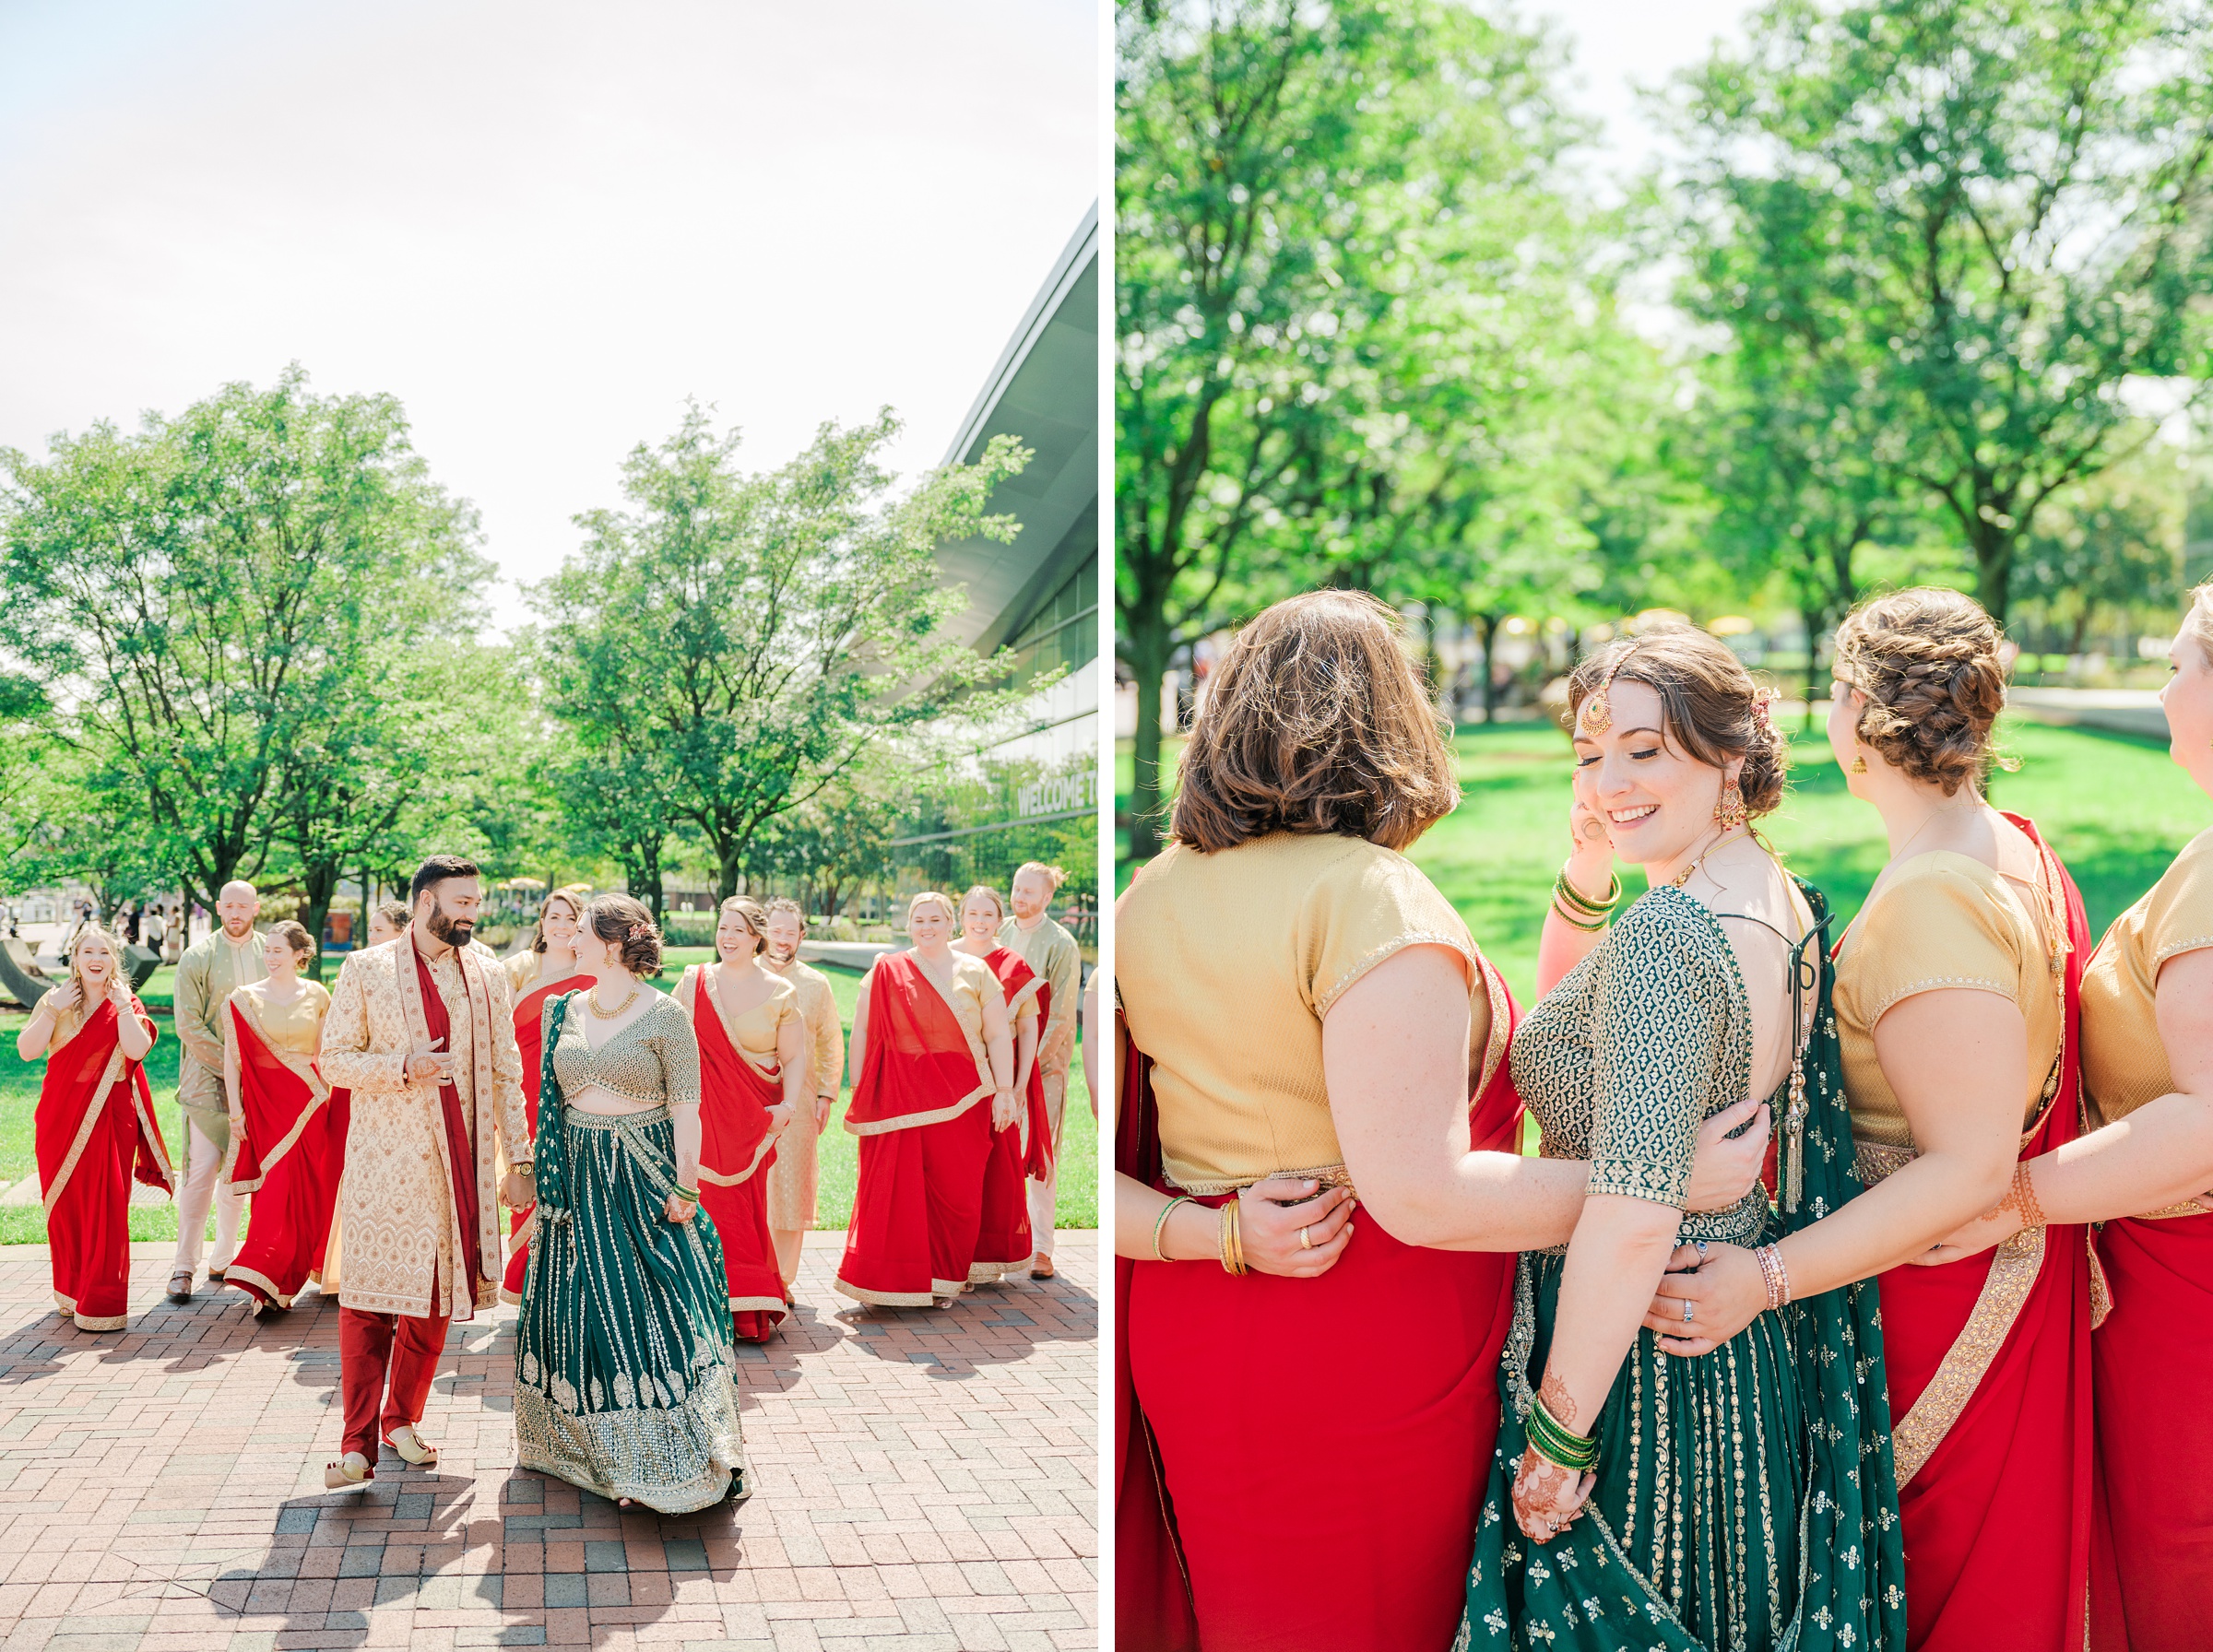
(212, 968)
(1052, 952)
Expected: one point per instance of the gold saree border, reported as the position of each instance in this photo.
(108, 1076)
(2013, 1269)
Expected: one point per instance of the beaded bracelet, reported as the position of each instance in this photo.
(1160, 1224)
(1557, 1443)
(1774, 1274)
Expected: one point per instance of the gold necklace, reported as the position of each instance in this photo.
(591, 1002)
(1680, 878)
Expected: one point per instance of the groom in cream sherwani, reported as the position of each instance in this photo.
(421, 1031)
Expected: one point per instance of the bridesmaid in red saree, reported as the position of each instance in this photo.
(1958, 1012)
(934, 1065)
(752, 1081)
(94, 1127)
(1312, 1015)
(1025, 1149)
(537, 976)
(2145, 1172)
(281, 1119)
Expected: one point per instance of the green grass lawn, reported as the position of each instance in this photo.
(1079, 1190)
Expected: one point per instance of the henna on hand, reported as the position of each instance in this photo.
(2021, 1198)
(1552, 1391)
(1542, 1489)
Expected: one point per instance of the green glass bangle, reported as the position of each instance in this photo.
(1557, 1443)
(1161, 1223)
(1582, 902)
(689, 1193)
(1587, 926)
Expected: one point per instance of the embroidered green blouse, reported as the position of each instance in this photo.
(1639, 1043)
(652, 1060)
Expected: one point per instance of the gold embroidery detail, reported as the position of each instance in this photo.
(2013, 1269)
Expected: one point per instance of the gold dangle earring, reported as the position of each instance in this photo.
(1859, 763)
(1728, 809)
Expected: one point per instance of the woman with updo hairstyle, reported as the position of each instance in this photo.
(933, 1060)
(1748, 1487)
(2144, 1172)
(286, 1123)
(1304, 1014)
(625, 1373)
(1956, 1000)
(752, 1074)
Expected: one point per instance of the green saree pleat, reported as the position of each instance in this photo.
(625, 1371)
(1746, 1499)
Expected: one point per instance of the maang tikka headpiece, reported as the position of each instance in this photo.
(1597, 714)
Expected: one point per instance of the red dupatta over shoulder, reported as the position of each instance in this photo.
(285, 1157)
(529, 1043)
(918, 1066)
(1207, 1432)
(1989, 1366)
(737, 1089)
(95, 1134)
(1018, 981)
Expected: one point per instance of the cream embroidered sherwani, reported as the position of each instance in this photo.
(212, 968)
(396, 1204)
(797, 1173)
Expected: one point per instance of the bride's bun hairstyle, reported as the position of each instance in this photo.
(1927, 661)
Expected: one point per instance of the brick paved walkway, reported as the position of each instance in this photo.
(926, 1481)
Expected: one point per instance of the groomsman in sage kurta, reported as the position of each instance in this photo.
(1051, 951)
(212, 968)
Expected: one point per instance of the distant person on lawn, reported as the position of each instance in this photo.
(210, 970)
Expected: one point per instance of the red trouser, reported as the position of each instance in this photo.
(365, 1351)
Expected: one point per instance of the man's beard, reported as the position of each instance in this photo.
(452, 931)
(239, 933)
(782, 955)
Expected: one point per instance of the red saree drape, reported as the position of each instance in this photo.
(95, 1133)
(735, 1151)
(460, 1150)
(287, 1160)
(1024, 1148)
(2151, 1550)
(922, 1109)
(1989, 1365)
(530, 1042)
(1383, 1447)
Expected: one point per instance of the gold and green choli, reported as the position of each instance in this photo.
(1744, 1499)
(625, 1371)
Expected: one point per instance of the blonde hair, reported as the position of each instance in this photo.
(2197, 621)
(1052, 875)
(754, 917)
(1316, 723)
(984, 888)
(941, 897)
(1927, 661)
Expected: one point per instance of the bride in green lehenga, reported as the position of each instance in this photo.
(1742, 1499)
(626, 1372)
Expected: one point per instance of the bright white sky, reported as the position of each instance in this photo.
(541, 225)
(1618, 47)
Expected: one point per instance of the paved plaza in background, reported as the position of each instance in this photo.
(925, 1479)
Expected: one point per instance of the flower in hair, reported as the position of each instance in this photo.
(638, 931)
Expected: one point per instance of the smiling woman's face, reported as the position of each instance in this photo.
(1657, 799)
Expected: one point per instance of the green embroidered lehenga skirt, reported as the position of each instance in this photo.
(1745, 1499)
(625, 1371)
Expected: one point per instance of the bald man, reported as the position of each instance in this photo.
(210, 972)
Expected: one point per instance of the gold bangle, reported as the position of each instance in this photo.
(1160, 1224)
(1564, 885)
(1590, 927)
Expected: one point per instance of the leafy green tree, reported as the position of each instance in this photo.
(1335, 250)
(833, 845)
(2110, 549)
(223, 601)
(747, 638)
(1983, 218)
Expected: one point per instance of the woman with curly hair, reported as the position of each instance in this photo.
(1742, 1499)
(1307, 1403)
(1956, 1003)
(626, 1377)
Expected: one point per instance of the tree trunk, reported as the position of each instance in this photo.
(1811, 619)
(1994, 568)
(321, 883)
(1149, 651)
(1489, 622)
